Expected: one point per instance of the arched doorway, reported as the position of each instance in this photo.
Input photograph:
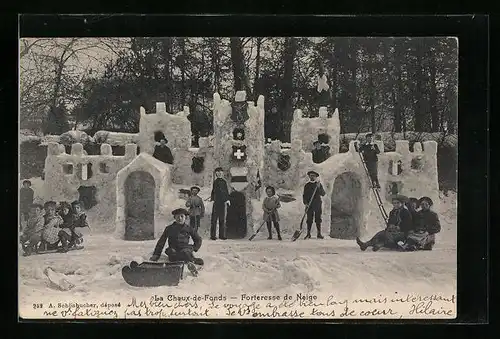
(139, 206)
(236, 219)
(346, 208)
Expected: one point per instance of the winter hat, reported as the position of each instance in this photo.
(180, 211)
(400, 198)
(313, 173)
(429, 200)
(195, 188)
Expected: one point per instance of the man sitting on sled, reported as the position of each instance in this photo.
(399, 225)
(178, 235)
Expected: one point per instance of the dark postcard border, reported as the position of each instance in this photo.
(472, 32)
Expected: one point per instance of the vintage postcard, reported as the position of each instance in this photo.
(238, 178)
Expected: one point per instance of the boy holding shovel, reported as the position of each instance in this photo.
(313, 191)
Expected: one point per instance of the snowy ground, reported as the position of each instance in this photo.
(265, 266)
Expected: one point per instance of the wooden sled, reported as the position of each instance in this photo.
(55, 250)
(153, 274)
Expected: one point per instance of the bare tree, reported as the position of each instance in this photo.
(52, 70)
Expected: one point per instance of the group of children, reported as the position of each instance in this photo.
(220, 198)
(178, 234)
(411, 226)
(49, 226)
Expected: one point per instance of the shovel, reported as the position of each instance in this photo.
(297, 233)
(258, 229)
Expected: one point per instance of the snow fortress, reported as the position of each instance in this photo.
(133, 195)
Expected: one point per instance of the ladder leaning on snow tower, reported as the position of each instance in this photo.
(374, 189)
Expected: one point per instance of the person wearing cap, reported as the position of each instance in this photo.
(370, 152)
(314, 209)
(196, 208)
(428, 224)
(178, 235)
(26, 194)
(220, 197)
(162, 151)
(399, 225)
(317, 154)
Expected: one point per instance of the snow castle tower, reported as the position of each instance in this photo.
(238, 149)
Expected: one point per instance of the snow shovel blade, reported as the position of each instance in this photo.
(296, 235)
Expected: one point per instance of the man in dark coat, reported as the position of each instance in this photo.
(26, 194)
(427, 225)
(178, 235)
(370, 152)
(162, 152)
(317, 153)
(398, 227)
(314, 209)
(220, 197)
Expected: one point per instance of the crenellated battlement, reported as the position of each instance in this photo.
(426, 147)
(284, 163)
(222, 108)
(413, 174)
(67, 176)
(175, 127)
(308, 129)
(79, 154)
(79, 168)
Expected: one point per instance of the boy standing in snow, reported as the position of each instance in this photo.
(178, 235)
(26, 194)
(196, 208)
(370, 152)
(314, 210)
(32, 234)
(220, 197)
(270, 206)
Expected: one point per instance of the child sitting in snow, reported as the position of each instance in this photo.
(32, 234)
(73, 216)
(196, 208)
(52, 233)
(426, 226)
(64, 212)
(178, 235)
(270, 206)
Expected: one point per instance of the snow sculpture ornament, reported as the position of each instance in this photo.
(239, 113)
(198, 164)
(284, 162)
(239, 178)
(239, 153)
(239, 134)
